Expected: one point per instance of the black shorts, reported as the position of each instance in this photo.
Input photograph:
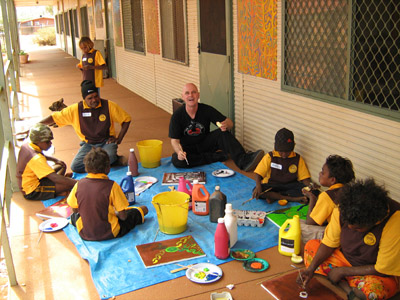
(46, 190)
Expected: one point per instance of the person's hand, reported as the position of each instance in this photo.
(304, 278)
(257, 191)
(223, 125)
(69, 175)
(144, 209)
(112, 139)
(181, 155)
(336, 274)
(303, 200)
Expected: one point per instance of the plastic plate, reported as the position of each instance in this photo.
(204, 273)
(242, 254)
(53, 224)
(255, 265)
(223, 173)
(142, 183)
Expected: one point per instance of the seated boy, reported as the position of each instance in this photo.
(282, 173)
(36, 178)
(100, 207)
(336, 172)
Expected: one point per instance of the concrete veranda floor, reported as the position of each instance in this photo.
(52, 268)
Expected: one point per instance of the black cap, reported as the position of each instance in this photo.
(284, 140)
(88, 87)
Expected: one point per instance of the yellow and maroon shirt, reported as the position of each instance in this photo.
(90, 123)
(275, 169)
(31, 167)
(93, 58)
(98, 220)
(380, 246)
(326, 202)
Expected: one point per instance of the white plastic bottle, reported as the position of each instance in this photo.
(231, 224)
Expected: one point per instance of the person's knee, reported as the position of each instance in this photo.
(77, 166)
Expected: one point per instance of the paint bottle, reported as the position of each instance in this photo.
(221, 240)
(133, 163)
(217, 205)
(290, 237)
(200, 197)
(128, 187)
(231, 224)
(186, 187)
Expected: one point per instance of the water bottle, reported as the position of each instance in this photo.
(231, 225)
(200, 197)
(128, 187)
(217, 205)
(290, 237)
(133, 163)
(186, 187)
(221, 240)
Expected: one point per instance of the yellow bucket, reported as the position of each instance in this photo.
(150, 153)
(172, 211)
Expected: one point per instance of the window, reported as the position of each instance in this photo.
(173, 30)
(66, 19)
(84, 21)
(57, 24)
(76, 27)
(344, 54)
(61, 23)
(132, 20)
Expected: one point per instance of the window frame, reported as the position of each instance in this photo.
(347, 103)
(131, 25)
(185, 33)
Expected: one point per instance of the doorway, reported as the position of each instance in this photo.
(110, 40)
(214, 48)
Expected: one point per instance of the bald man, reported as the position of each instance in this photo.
(193, 142)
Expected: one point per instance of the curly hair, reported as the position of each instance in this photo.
(96, 161)
(340, 168)
(363, 203)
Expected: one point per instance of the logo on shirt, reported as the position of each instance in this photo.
(102, 117)
(90, 60)
(369, 239)
(293, 169)
(194, 129)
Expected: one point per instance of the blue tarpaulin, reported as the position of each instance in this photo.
(115, 264)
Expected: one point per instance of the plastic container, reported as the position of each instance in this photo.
(150, 153)
(231, 224)
(185, 186)
(217, 205)
(128, 187)
(200, 197)
(221, 240)
(290, 237)
(133, 163)
(172, 211)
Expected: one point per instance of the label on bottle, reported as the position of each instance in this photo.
(131, 197)
(287, 245)
(200, 206)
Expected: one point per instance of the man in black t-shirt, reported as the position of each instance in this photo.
(193, 142)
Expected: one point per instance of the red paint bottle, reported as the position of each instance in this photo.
(221, 240)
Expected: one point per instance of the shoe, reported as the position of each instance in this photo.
(251, 160)
(121, 161)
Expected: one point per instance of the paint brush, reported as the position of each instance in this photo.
(180, 269)
(156, 235)
(180, 147)
(248, 200)
(301, 278)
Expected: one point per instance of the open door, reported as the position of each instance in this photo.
(215, 55)
(110, 40)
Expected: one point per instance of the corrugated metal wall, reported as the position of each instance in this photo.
(320, 129)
